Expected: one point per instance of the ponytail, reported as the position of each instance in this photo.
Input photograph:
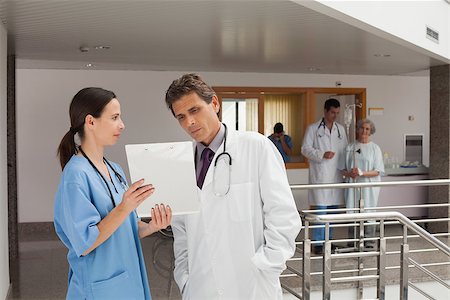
(67, 148)
(88, 101)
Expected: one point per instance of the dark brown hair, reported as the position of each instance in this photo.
(186, 84)
(88, 101)
(331, 103)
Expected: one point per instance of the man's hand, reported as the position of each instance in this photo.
(328, 155)
(279, 136)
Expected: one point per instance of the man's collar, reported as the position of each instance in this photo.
(216, 142)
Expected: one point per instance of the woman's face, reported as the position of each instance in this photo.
(109, 126)
(364, 132)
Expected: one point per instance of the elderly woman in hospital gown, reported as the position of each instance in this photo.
(364, 163)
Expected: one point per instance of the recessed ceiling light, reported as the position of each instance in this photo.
(312, 69)
(381, 55)
(84, 49)
(102, 47)
(89, 65)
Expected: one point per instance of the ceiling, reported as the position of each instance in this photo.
(223, 36)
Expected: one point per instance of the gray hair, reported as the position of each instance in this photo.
(366, 121)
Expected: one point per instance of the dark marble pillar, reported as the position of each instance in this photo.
(12, 166)
(439, 144)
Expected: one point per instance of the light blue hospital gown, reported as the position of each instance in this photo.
(116, 268)
(368, 158)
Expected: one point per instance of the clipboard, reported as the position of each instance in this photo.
(170, 168)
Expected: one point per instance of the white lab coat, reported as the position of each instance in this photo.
(237, 246)
(316, 142)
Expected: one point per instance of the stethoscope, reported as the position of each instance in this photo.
(322, 124)
(223, 156)
(221, 191)
(224, 152)
(119, 177)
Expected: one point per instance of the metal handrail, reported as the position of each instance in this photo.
(429, 182)
(429, 273)
(360, 215)
(378, 207)
(381, 216)
(375, 269)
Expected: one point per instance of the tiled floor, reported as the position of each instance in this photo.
(41, 272)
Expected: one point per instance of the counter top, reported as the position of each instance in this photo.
(406, 171)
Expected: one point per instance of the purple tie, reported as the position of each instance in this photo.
(206, 158)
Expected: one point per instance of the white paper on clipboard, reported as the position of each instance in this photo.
(170, 168)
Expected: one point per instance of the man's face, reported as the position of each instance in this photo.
(279, 134)
(331, 115)
(198, 118)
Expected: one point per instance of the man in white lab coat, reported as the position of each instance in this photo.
(324, 146)
(238, 244)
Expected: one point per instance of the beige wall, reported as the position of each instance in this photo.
(43, 98)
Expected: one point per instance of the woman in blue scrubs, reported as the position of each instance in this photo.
(95, 209)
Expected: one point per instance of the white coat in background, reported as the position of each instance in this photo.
(317, 140)
(238, 244)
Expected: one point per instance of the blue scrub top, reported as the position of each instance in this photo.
(277, 143)
(116, 268)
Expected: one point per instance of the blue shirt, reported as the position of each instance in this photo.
(277, 143)
(116, 268)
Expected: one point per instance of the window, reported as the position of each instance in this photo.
(289, 110)
(259, 109)
(240, 114)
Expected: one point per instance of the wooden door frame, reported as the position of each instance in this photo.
(258, 92)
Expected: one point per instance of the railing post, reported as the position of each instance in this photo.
(306, 281)
(381, 264)
(404, 268)
(406, 224)
(360, 286)
(326, 283)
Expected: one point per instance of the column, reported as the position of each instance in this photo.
(439, 144)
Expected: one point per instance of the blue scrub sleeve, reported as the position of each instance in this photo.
(288, 141)
(80, 218)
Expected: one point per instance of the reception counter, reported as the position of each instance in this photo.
(406, 171)
(389, 196)
(405, 195)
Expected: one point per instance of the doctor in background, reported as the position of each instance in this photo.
(282, 141)
(237, 245)
(324, 146)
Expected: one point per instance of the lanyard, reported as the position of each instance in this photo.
(101, 175)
